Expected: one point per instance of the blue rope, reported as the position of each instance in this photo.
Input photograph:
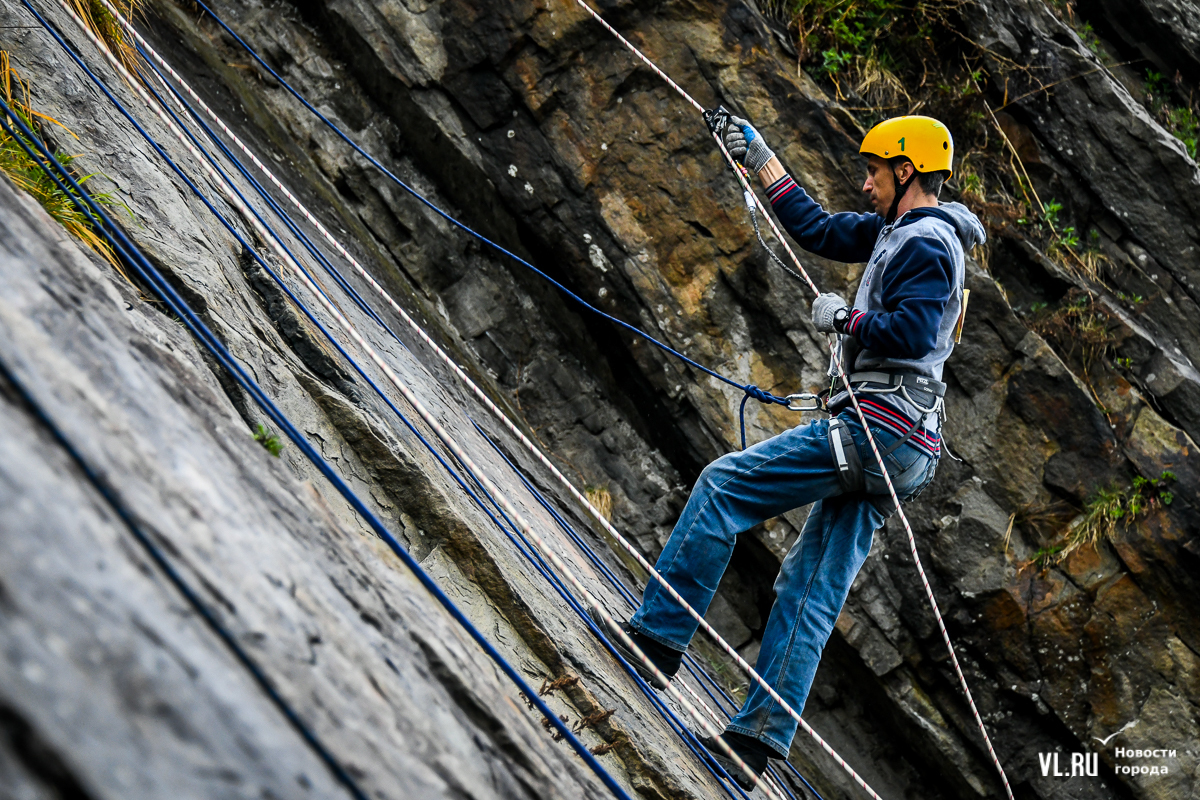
(148, 273)
(750, 390)
(526, 549)
(763, 397)
(114, 501)
(697, 672)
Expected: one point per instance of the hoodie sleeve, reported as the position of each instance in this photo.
(840, 237)
(915, 289)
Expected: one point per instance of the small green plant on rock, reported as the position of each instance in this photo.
(1181, 119)
(1114, 506)
(1045, 556)
(270, 442)
(1063, 243)
(1078, 325)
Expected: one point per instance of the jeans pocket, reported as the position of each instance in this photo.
(909, 481)
(898, 461)
(914, 490)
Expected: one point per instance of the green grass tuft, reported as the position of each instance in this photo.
(270, 442)
(1182, 120)
(27, 173)
(1112, 507)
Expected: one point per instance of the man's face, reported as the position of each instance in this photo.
(879, 186)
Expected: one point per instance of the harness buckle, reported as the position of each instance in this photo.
(796, 402)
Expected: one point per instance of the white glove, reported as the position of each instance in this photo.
(746, 144)
(830, 313)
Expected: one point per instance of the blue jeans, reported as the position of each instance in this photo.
(736, 492)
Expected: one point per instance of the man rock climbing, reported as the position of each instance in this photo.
(894, 340)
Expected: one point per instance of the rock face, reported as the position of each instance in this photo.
(1167, 34)
(527, 121)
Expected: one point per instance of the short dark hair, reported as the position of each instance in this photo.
(930, 182)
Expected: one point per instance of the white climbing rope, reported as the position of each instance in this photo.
(487, 401)
(231, 196)
(858, 410)
(738, 169)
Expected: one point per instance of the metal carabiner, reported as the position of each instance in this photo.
(817, 403)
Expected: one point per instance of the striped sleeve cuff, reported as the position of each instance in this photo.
(856, 318)
(781, 187)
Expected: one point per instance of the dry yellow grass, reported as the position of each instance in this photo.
(27, 173)
(105, 25)
(601, 500)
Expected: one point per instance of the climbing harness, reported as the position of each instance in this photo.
(858, 410)
(845, 456)
(902, 381)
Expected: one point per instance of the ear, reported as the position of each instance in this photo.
(904, 172)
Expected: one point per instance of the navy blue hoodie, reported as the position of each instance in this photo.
(911, 292)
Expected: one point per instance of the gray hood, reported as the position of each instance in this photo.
(968, 227)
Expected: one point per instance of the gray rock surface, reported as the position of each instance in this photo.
(1164, 32)
(103, 657)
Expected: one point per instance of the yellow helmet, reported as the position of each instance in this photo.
(924, 140)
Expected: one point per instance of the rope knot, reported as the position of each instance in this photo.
(762, 396)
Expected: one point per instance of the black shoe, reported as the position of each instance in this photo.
(753, 752)
(663, 657)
